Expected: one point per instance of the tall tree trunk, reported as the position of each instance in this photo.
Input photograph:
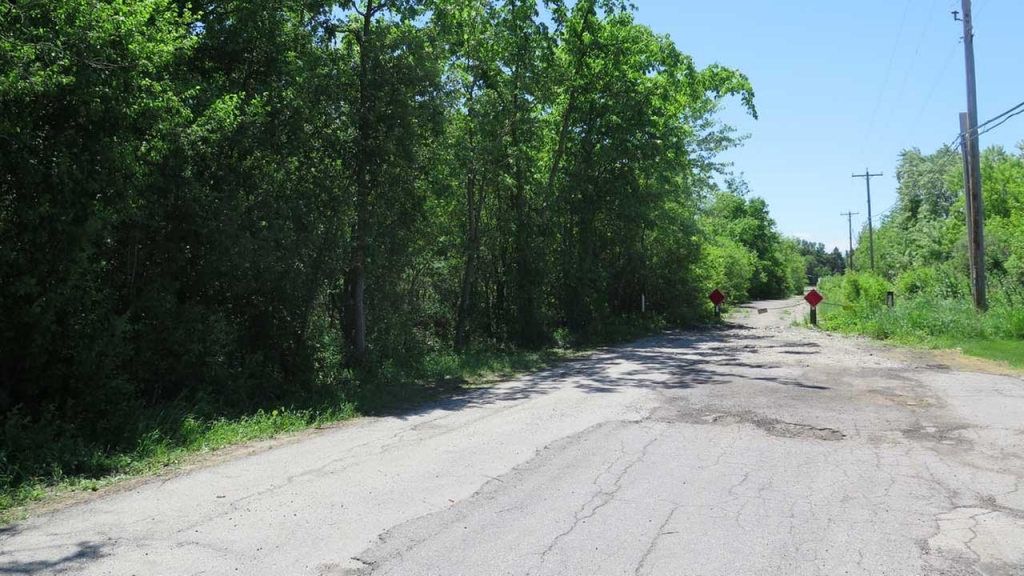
(355, 277)
(464, 301)
(474, 205)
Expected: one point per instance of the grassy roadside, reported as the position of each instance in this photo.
(176, 441)
(855, 304)
(1005, 350)
(1009, 351)
(161, 451)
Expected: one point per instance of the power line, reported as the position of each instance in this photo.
(991, 120)
(913, 59)
(885, 78)
(1008, 114)
(991, 128)
(933, 170)
(931, 90)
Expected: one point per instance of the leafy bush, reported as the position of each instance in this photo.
(859, 289)
(917, 282)
(921, 313)
(1006, 322)
(730, 267)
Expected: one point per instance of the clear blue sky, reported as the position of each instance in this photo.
(819, 69)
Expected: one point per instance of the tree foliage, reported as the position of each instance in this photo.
(921, 253)
(818, 262)
(927, 229)
(747, 256)
(227, 205)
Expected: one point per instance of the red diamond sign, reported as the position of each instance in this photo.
(717, 297)
(813, 298)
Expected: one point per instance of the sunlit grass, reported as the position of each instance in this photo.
(161, 449)
(1009, 351)
(997, 334)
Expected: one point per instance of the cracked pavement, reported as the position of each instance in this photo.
(758, 448)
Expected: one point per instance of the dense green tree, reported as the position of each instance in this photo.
(622, 157)
(921, 244)
(90, 110)
(213, 207)
(746, 256)
(746, 221)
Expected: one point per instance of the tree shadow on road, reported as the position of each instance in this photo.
(85, 552)
(670, 361)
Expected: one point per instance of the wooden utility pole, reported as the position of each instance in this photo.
(975, 209)
(849, 221)
(965, 154)
(867, 176)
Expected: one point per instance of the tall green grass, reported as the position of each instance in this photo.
(61, 467)
(930, 309)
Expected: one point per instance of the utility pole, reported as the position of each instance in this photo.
(965, 154)
(867, 176)
(976, 212)
(849, 220)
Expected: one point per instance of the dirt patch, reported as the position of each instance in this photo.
(952, 360)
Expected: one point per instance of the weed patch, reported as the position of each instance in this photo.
(924, 315)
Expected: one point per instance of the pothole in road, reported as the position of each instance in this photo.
(912, 402)
(790, 430)
(771, 426)
(942, 435)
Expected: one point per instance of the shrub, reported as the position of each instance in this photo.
(916, 282)
(859, 289)
(730, 268)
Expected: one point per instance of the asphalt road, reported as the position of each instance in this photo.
(750, 450)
